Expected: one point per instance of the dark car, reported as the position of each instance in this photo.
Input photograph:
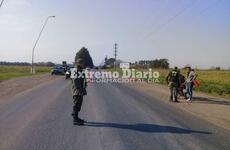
(58, 70)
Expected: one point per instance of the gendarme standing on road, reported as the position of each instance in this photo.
(78, 90)
(172, 80)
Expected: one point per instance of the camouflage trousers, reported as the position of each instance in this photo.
(173, 91)
(77, 100)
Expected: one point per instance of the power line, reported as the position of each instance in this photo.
(210, 6)
(169, 20)
(155, 19)
(178, 14)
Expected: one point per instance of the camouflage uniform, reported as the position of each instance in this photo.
(173, 82)
(78, 90)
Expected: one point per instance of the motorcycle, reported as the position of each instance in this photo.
(67, 74)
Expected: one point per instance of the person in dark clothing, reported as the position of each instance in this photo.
(182, 85)
(78, 90)
(173, 82)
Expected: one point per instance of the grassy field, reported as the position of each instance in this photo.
(9, 72)
(212, 82)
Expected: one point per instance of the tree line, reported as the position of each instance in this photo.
(156, 63)
(45, 64)
(142, 64)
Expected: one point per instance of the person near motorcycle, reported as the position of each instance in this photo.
(172, 80)
(78, 90)
(182, 85)
(191, 76)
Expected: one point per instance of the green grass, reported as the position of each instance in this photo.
(213, 82)
(113, 69)
(9, 72)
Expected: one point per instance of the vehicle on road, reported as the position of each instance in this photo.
(58, 70)
(67, 74)
(68, 71)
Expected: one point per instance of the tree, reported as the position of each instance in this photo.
(83, 53)
(159, 63)
(110, 62)
(106, 59)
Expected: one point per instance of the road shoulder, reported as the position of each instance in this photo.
(12, 87)
(213, 109)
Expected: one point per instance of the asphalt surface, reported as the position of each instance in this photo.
(119, 118)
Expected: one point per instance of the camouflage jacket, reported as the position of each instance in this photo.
(79, 83)
(173, 78)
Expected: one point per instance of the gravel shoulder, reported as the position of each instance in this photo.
(12, 87)
(213, 109)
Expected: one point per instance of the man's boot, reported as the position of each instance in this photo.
(82, 120)
(176, 100)
(76, 120)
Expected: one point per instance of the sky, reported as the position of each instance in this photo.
(195, 32)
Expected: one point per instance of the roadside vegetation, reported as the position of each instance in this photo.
(214, 82)
(9, 72)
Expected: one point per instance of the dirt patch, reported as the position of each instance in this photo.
(213, 109)
(10, 88)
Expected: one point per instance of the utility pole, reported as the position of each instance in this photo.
(1, 3)
(32, 63)
(115, 55)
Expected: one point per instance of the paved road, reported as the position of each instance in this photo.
(119, 119)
